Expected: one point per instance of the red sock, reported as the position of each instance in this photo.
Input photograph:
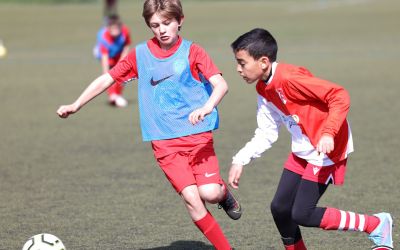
(225, 191)
(211, 229)
(335, 219)
(299, 245)
(115, 89)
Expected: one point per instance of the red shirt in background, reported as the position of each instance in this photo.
(112, 61)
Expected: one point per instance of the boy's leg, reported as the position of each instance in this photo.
(281, 209)
(115, 95)
(306, 213)
(193, 203)
(378, 226)
(178, 171)
(211, 186)
(220, 193)
(115, 89)
(203, 219)
(212, 193)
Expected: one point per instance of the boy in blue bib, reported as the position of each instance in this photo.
(179, 88)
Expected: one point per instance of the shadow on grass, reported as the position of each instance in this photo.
(183, 245)
(189, 245)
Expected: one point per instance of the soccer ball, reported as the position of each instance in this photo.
(43, 242)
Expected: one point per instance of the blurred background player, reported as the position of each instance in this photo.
(113, 42)
(314, 112)
(179, 88)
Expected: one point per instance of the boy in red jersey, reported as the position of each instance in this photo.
(314, 112)
(177, 112)
(113, 42)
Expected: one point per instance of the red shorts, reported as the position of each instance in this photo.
(327, 174)
(193, 164)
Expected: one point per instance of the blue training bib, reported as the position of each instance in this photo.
(168, 93)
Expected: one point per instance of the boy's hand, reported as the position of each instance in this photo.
(198, 115)
(234, 175)
(65, 110)
(326, 144)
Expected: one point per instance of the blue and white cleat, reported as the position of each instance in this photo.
(382, 235)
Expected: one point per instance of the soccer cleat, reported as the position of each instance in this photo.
(118, 101)
(382, 235)
(230, 205)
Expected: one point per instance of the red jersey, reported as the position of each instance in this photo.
(308, 107)
(316, 105)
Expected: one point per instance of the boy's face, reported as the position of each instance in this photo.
(165, 30)
(251, 69)
(114, 29)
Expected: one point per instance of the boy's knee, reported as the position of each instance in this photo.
(211, 198)
(301, 216)
(280, 208)
(211, 193)
(191, 197)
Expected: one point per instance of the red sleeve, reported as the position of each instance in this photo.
(201, 62)
(126, 69)
(303, 86)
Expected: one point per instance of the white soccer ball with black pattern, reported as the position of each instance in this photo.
(43, 242)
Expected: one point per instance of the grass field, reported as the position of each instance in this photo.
(93, 183)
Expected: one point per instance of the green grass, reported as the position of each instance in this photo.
(93, 183)
(45, 1)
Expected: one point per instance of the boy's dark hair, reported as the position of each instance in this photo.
(113, 19)
(257, 42)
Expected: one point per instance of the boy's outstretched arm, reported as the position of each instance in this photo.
(220, 88)
(268, 122)
(94, 89)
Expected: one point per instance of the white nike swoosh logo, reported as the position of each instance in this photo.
(209, 175)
